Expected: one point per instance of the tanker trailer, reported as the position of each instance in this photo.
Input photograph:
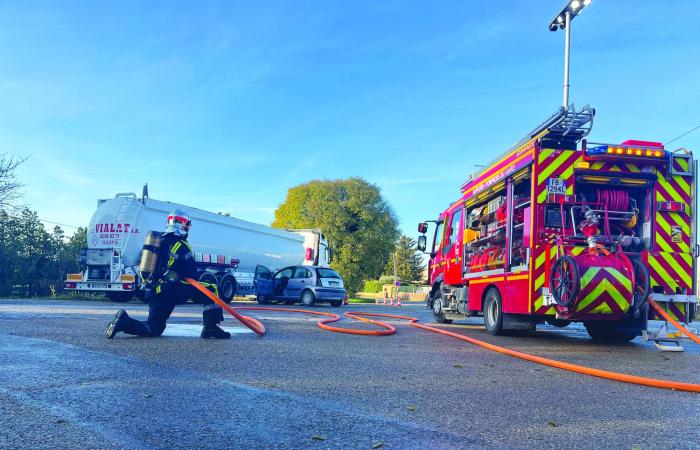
(227, 250)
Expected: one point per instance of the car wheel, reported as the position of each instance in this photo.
(307, 298)
(336, 303)
(493, 312)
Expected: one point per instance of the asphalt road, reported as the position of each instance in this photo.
(63, 385)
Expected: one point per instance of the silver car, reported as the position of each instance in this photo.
(306, 284)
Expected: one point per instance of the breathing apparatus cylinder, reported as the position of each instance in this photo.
(149, 255)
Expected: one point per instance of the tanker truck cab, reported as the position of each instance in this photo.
(559, 230)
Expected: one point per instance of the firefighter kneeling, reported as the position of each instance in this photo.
(169, 288)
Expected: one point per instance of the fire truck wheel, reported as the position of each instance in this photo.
(609, 332)
(307, 298)
(493, 312)
(438, 313)
(120, 297)
(227, 288)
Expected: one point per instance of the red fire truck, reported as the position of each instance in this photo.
(561, 230)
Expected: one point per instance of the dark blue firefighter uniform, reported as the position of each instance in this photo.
(176, 262)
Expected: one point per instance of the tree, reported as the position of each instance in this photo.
(359, 223)
(409, 261)
(9, 186)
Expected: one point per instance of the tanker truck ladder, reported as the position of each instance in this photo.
(116, 265)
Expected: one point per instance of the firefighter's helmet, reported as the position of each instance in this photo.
(178, 223)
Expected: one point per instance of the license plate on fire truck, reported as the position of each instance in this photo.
(556, 186)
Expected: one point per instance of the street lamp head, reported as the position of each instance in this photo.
(572, 8)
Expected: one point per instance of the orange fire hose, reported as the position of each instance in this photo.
(675, 323)
(413, 321)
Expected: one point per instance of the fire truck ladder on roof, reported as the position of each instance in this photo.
(567, 124)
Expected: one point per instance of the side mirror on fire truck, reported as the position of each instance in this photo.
(422, 227)
(422, 243)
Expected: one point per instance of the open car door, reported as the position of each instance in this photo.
(263, 281)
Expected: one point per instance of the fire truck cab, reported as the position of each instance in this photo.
(562, 230)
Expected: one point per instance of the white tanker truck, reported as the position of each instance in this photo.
(227, 250)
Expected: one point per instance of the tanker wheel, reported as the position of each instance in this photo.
(564, 280)
(208, 278)
(641, 283)
(609, 332)
(493, 312)
(438, 312)
(307, 298)
(227, 288)
(120, 297)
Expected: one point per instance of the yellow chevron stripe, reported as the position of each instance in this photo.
(683, 163)
(671, 191)
(683, 185)
(604, 286)
(662, 243)
(539, 281)
(540, 260)
(554, 165)
(597, 165)
(575, 251)
(614, 168)
(632, 168)
(542, 197)
(677, 267)
(660, 271)
(544, 154)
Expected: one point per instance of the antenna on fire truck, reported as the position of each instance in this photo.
(571, 9)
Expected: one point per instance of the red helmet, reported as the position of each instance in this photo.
(178, 223)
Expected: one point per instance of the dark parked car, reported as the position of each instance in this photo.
(305, 284)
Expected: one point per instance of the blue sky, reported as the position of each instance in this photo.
(225, 105)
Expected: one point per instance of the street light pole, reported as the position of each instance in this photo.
(567, 51)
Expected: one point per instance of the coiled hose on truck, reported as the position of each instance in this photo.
(259, 328)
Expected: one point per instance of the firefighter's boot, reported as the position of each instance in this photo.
(119, 323)
(214, 332)
(212, 316)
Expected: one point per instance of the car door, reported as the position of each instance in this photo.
(280, 281)
(263, 281)
(300, 279)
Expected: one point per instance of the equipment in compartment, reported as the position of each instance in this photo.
(485, 234)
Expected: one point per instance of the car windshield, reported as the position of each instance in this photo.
(327, 273)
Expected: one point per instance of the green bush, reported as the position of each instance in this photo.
(372, 286)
